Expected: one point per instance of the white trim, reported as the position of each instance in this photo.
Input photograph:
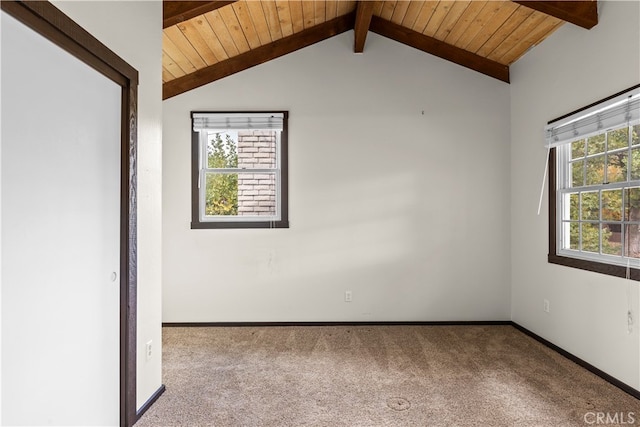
(203, 141)
(604, 187)
(240, 170)
(563, 221)
(239, 218)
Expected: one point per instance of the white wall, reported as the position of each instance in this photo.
(410, 211)
(571, 69)
(133, 30)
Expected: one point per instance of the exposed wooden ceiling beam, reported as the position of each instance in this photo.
(175, 12)
(581, 13)
(364, 12)
(440, 49)
(258, 56)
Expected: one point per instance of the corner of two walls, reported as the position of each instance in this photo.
(573, 68)
(398, 192)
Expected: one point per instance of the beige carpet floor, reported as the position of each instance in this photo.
(375, 376)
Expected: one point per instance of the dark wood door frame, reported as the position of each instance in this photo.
(51, 23)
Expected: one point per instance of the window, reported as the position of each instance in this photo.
(239, 170)
(595, 187)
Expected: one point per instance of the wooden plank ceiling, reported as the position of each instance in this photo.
(204, 41)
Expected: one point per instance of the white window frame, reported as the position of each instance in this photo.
(565, 190)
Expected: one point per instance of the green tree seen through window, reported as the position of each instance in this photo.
(221, 188)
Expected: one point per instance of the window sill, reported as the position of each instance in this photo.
(597, 267)
(238, 224)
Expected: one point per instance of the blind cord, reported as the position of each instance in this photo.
(544, 179)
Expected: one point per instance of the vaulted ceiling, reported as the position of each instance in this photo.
(204, 41)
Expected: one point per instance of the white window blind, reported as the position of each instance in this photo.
(621, 110)
(238, 121)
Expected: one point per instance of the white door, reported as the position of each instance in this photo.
(60, 230)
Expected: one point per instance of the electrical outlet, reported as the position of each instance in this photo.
(348, 296)
(546, 306)
(149, 349)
